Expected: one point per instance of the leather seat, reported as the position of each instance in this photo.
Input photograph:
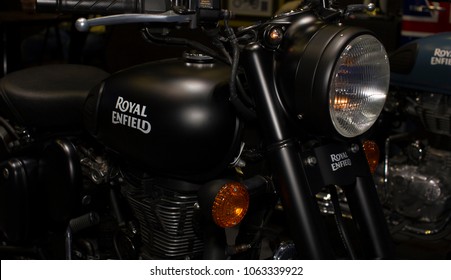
(49, 95)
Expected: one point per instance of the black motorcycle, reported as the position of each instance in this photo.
(219, 154)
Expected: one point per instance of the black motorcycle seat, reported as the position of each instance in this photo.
(48, 95)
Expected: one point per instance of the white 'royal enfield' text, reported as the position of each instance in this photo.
(340, 160)
(131, 114)
(441, 57)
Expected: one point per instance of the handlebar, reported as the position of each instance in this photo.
(83, 24)
(137, 11)
(103, 6)
(194, 12)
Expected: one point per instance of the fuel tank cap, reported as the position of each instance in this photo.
(197, 57)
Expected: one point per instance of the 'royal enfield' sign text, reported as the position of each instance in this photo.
(131, 114)
(340, 160)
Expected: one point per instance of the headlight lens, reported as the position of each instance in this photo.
(359, 85)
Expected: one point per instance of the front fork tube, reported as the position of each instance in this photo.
(367, 213)
(299, 202)
(297, 199)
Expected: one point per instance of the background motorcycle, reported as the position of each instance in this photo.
(219, 154)
(414, 179)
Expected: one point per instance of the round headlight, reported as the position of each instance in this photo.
(359, 86)
(334, 79)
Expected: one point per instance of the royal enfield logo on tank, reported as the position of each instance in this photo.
(126, 115)
(441, 57)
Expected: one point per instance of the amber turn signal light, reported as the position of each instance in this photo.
(372, 154)
(230, 204)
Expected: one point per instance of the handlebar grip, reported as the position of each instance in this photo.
(91, 6)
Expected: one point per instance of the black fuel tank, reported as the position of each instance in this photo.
(171, 117)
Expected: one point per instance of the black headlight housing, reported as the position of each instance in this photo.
(333, 79)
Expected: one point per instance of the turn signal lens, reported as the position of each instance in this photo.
(372, 154)
(230, 205)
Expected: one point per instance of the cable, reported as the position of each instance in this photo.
(339, 221)
(245, 112)
(149, 37)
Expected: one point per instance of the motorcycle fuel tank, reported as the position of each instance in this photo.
(424, 64)
(170, 117)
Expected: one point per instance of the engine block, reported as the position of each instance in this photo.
(421, 191)
(166, 212)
